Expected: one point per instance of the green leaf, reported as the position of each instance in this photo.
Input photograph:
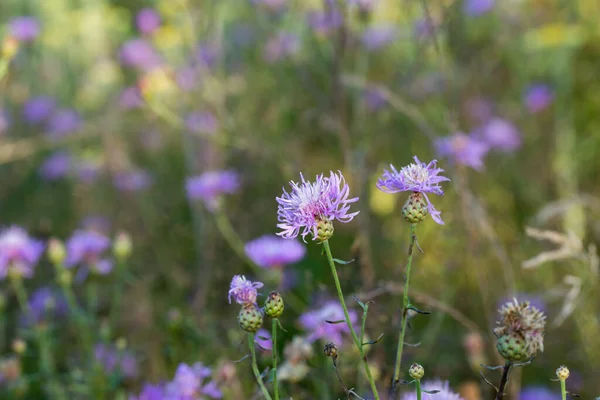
(342, 262)
(335, 322)
(242, 359)
(430, 391)
(360, 303)
(374, 341)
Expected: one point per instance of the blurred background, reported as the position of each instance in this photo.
(113, 111)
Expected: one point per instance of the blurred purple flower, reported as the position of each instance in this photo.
(424, 28)
(418, 177)
(45, 304)
(38, 109)
(133, 180)
(4, 121)
(501, 135)
(475, 8)
(113, 360)
(86, 247)
(88, 171)
(188, 384)
(315, 323)
(130, 98)
(271, 251)
(62, 123)
(323, 22)
(479, 109)
(96, 223)
(445, 393)
(377, 37)
(56, 166)
(150, 392)
(280, 46)
(207, 55)
(147, 20)
(374, 98)
(538, 97)
(301, 209)
(209, 187)
(462, 149)
(187, 78)
(19, 251)
(242, 290)
(202, 122)
(24, 29)
(141, 54)
(538, 393)
(266, 343)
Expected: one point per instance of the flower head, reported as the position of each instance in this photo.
(133, 180)
(538, 393)
(37, 109)
(45, 304)
(377, 37)
(243, 291)
(310, 202)
(62, 123)
(147, 20)
(475, 8)
(538, 97)
(521, 330)
(141, 54)
(280, 46)
(24, 29)
(202, 122)
(19, 251)
(445, 393)
(150, 392)
(56, 166)
(86, 247)
(315, 322)
(272, 251)
(501, 135)
(112, 360)
(416, 177)
(463, 150)
(188, 384)
(209, 187)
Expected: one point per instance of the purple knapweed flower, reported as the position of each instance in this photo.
(24, 29)
(272, 251)
(315, 323)
(132, 181)
(445, 393)
(263, 339)
(475, 8)
(62, 123)
(18, 252)
(419, 178)
(56, 166)
(150, 392)
(538, 97)
(45, 304)
(323, 22)
(300, 211)
(243, 291)
(86, 247)
(188, 384)
(147, 20)
(281, 46)
(501, 135)
(377, 37)
(463, 149)
(130, 98)
(538, 393)
(38, 109)
(210, 186)
(114, 360)
(533, 299)
(203, 122)
(141, 54)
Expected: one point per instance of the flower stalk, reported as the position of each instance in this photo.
(418, 386)
(255, 367)
(504, 380)
(348, 321)
(274, 322)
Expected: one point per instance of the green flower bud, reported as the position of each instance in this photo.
(65, 277)
(56, 251)
(416, 371)
(415, 208)
(324, 229)
(250, 318)
(19, 346)
(122, 246)
(512, 346)
(562, 373)
(274, 305)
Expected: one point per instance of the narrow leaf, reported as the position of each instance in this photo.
(412, 344)
(374, 341)
(242, 359)
(492, 368)
(281, 326)
(360, 303)
(415, 309)
(430, 391)
(335, 322)
(342, 262)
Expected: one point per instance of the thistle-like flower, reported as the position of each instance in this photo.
(311, 207)
(521, 331)
(19, 252)
(210, 186)
(243, 291)
(273, 252)
(419, 178)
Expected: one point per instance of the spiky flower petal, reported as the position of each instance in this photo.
(243, 291)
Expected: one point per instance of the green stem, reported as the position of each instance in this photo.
(274, 356)
(364, 322)
(115, 311)
(405, 304)
(418, 384)
(563, 389)
(255, 367)
(348, 322)
(92, 294)
(233, 239)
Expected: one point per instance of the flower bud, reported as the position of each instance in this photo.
(122, 246)
(250, 317)
(512, 347)
(416, 371)
(19, 346)
(324, 229)
(56, 251)
(121, 344)
(274, 305)
(415, 209)
(562, 373)
(331, 350)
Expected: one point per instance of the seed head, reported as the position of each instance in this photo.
(416, 371)
(250, 317)
(274, 305)
(331, 350)
(562, 372)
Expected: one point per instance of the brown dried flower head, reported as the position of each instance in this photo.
(522, 325)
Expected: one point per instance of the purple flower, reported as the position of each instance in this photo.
(479, 109)
(475, 8)
(147, 20)
(140, 54)
(424, 28)
(96, 223)
(150, 392)
(45, 303)
(377, 37)
(538, 97)
(374, 98)
(38, 109)
(113, 360)
(132, 181)
(272, 251)
(203, 122)
(56, 166)
(323, 22)
(309, 202)
(242, 290)
(418, 177)
(209, 187)
(501, 134)
(315, 322)
(444, 391)
(263, 339)
(62, 123)
(130, 98)
(463, 150)
(19, 251)
(538, 393)
(24, 29)
(188, 384)
(533, 299)
(207, 55)
(88, 171)
(281, 46)
(86, 247)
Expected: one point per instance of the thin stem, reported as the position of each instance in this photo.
(274, 356)
(348, 322)
(255, 368)
(563, 389)
(405, 304)
(504, 380)
(364, 322)
(92, 295)
(118, 295)
(232, 238)
(418, 385)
